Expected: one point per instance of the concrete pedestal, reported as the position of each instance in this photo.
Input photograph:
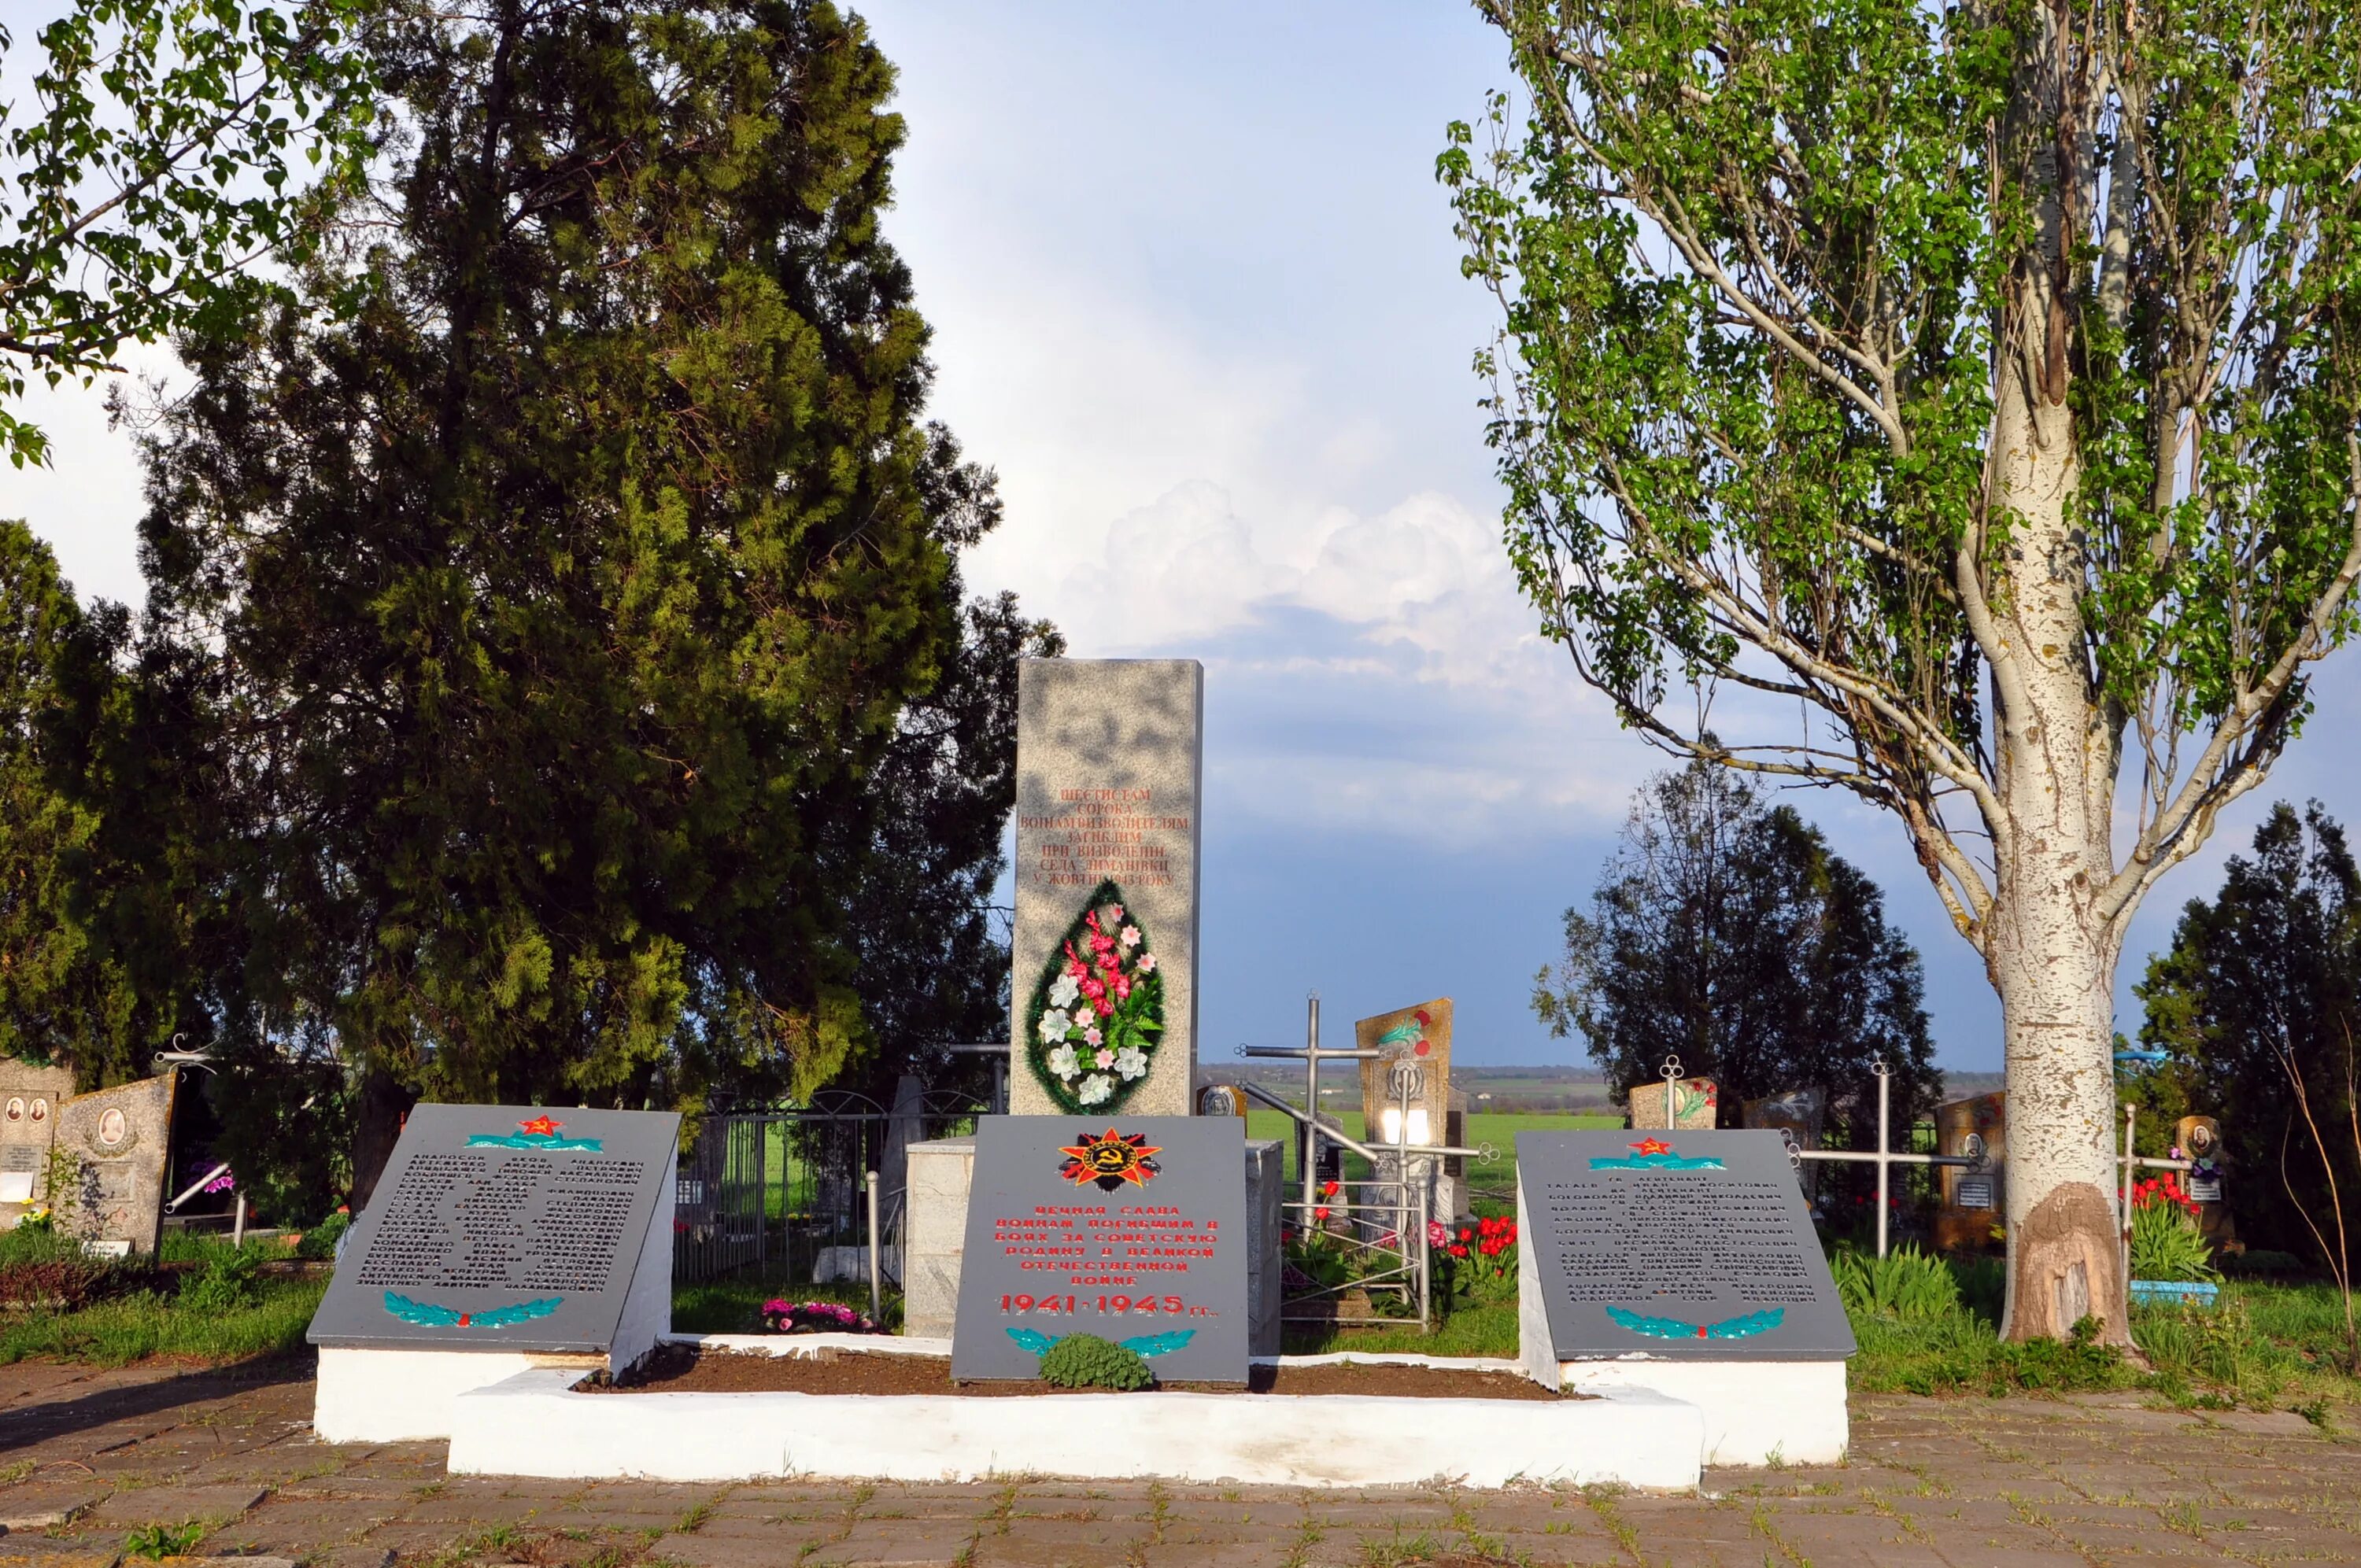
(934, 1233)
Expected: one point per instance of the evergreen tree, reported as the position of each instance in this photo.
(585, 597)
(1728, 932)
(2259, 990)
(54, 989)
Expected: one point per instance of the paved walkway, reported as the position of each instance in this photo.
(87, 1456)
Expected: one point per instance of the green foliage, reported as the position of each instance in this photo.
(1905, 1284)
(2166, 1245)
(319, 1242)
(227, 1282)
(153, 165)
(1750, 261)
(1086, 1360)
(118, 1330)
(2258, 987)
(157, 1541)
(571, 617)
(1724, 929)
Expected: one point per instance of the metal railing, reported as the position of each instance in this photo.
(813, 1193)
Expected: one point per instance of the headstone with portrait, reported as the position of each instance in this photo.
(30, 1097)
(1974, 1196)
(113, 1149)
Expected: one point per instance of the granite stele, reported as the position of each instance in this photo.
(502, 1237)
(1684, 1263)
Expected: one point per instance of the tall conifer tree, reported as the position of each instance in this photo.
(571, 590)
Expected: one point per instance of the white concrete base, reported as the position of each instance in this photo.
(410, 1396)
(532, 1425)
(1755, 1412)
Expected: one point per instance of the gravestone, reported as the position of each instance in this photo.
(1132, 1228)
(115, 1146)
(499, 1237)
(2198, 1139)
(1414, 1047)
(1973, 1200)
(1686, 1265)
(1694, 1103)
(31, 1098)
(1109, 753)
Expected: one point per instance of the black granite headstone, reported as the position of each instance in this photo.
(1692, 1245)
(501, 1227)
(1132, 1228)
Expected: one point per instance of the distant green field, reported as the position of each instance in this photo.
(1499, 1131)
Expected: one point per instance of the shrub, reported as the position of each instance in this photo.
(228, 1281)
(319, 1242)
(2165, 1242)
(1086, 1360)
(1906, 1285)
(43, 1269)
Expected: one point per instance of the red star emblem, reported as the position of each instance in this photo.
(1652, 1146)
(1110, 1159)
(540, 1127)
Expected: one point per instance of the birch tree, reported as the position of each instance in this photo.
(1979, 383)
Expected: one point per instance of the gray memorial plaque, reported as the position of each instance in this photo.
(1691, 1245)
(501, 1227)
(1132, 1228)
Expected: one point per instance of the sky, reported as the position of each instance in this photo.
(1196, 298)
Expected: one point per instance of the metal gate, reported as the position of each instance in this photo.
(786, 1190)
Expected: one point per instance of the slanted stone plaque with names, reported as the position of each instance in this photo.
(1132, 1228)
(1687, 1246)
(503, 1227)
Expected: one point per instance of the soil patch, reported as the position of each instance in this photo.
(683, 1369)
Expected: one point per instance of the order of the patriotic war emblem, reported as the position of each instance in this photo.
(1111, 1159)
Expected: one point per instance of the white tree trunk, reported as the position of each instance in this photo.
(2051, 956)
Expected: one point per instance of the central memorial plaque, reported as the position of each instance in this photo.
(1132, 1228)
(503, 1227)
(1691, 1245)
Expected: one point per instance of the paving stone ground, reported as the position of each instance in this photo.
(88, 1457)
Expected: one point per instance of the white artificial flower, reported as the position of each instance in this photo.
(1131, 936)
(1095, 1088)
(1130, 1062)
(1055, 1024)
(1064, 989)
(1063, 1063)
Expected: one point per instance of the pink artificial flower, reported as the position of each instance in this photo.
(1131, 936)
(1115, 910)
(1147, 963)
(1105, 1056)
(1091, 1038)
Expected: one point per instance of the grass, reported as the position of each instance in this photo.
(2264, 1345)
(1497, 1129)
(222, 1311)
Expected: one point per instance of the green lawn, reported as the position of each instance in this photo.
(1483, 1127)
